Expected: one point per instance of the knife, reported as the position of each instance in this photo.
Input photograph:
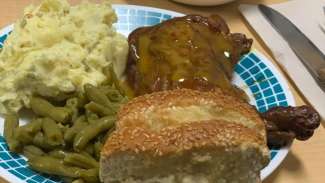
(306, 51)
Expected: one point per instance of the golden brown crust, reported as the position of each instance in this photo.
(173, 125)
(189, 136)
(133, 112)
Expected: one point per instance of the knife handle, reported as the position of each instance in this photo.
(321, 74)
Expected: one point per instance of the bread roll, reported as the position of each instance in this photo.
(185, 136)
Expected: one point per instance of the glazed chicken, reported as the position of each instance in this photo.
(192, 52)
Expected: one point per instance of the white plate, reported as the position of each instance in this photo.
(255, 74)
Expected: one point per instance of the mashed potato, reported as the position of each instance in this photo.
(60, 48)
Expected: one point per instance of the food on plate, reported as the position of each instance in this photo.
(67, 64)
(185, 135)
(200, 53)
(283, 124)
(192, 52)
(11, 123)
(165, 109)
(66, 138)
(55, 49)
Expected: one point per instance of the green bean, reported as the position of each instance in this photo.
(90, 175)
(96, 96)
(116, 81)
(91, 116)
(45, 109)
(51, 93)
(82, 118)
(107, 73)
(91, 131)
(97, 148)
(104, 89)
(68, 179)
(78, 181)
(111, 130)
(61, 154)
(50, 165)
(72, 104)
(77, 127)
(32, 151)
(82, 100)
(80, 160)
(10, 125)
(89, 149)
(67, 141)
(52, 132)
(63, 128)
(116, 106)
(100, 109)
(40, 141)
(26, 133)
(46, 91)
(114, 95)
(58, 153)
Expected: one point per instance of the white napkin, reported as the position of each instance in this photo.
(307, 16)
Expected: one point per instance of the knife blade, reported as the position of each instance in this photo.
(306, 51)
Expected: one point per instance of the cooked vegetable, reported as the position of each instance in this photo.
(40, 141)
(78, 181)
(26, 133)
(91, 131)
(96, 96)
(73, 105)
(116, 81)
(58, 153)
(107, 72)
(31, 151)
(91, 116)
(114, 96)
(80, 160)
(97, 148)
(100, 109)
(89, 150)
(90, 175)
(44, 108)
(50, 165)
(10, 125)
(67, 141)
(77, 127)
(52, 132)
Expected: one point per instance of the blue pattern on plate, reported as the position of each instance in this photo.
(130, 19)
(262, 83)
(259, 78)
(2, 39)
(17, 165)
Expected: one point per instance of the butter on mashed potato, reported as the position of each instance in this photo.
(61, 48)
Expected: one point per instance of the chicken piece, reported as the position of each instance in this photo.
(283, 124)
(192, 52)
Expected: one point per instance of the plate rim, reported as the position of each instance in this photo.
(281, 153)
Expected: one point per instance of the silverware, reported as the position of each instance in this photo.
(308, 53)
